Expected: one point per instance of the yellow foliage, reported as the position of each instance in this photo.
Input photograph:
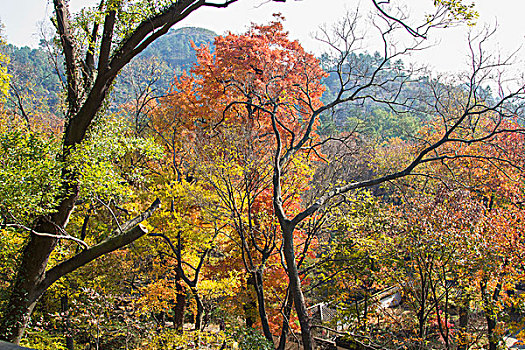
(4, 76)
(227, 286)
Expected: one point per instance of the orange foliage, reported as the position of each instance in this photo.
(216, 126)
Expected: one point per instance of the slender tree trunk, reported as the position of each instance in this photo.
(490, 317)
(259, 289)
(180, 303)
(365, 311)
(295, 288)
(199, 317)
(421, 314)
(64, 305)
(441, 312)
(463, 323)
(287, 310)
(250, 305)
(491, 326)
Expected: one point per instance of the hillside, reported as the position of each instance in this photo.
(36, 83)
(175, 48)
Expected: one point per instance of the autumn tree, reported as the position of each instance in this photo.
(439, 240)
(461, 250)
(4, 76)
(96, 44)
(220, 105)
(290, 113)
(490, 270)
(460, 113)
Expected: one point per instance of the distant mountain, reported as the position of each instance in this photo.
(34, 79)
(39, 87)
(175, 48)
(155, 68)
(152, 73)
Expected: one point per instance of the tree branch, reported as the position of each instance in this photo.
(131, 232)
(67, 41)
(107, 37)
(89, 62)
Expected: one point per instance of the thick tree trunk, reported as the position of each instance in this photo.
(295, 288)
(24, 296)
(31, 273)
(199, 317)
(33, 279)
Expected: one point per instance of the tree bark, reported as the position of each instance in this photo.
(295, 288)
(33, 280)
(490, 317)
(250, 304)
(259, 289)
(491, 326)
(199, 317)
(64, 305)
(463, 323)
(287, 310)
(31, 274)
(180, 303)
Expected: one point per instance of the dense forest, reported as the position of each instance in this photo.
(177, 189)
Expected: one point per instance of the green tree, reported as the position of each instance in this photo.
(96, 44)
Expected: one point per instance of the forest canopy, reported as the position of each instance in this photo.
(178, 189)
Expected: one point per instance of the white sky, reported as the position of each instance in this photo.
(21, 18)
